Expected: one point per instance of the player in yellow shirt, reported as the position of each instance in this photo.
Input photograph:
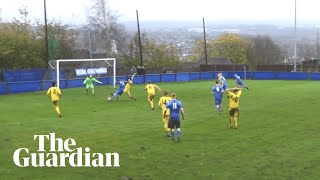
(165, 115)
(151, 90)
(234, 100)
(128, 87)
(54, 93)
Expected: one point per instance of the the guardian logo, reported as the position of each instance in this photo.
(62, 153)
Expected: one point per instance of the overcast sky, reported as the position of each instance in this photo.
(75, 11)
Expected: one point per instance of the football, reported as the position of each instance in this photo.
(109, 98)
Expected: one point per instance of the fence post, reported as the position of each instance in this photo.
(7, 88)
(41, 85)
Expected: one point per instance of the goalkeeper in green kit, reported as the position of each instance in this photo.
(89, 83)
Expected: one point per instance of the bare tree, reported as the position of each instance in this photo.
(307, 49)
(107, 33)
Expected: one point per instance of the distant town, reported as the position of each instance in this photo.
(184, 34)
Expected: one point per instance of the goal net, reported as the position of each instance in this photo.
(78, 69)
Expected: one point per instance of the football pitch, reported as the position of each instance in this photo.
(278, 135)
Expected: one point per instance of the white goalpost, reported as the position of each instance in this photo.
(102, 63)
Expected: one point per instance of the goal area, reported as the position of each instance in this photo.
(81, 68)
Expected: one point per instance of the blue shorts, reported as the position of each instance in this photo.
(119, 92)
(174, 122)
(240, 83)
(224, 87)
(218, 101)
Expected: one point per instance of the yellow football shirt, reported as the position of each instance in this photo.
(234, 99)
(162, 103)
(150, 88)
(54, 93)
(128, 86)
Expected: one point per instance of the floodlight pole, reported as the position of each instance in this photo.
(46, 30)
(140, 44)
(318, 47)
(318, 51)
(295, 37)
(90, 49)
(205, 41)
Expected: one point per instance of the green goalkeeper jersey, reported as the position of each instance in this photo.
(89, 81)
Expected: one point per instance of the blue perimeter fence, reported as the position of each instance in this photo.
(32, 86)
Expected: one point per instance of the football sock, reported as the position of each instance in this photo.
(230, 121)
(86, 91)
(172, 134)
(151, 103)
(166, 128)
(92, 91)
(114, 96)
(57, 109)
(235, 119)
(178, 133)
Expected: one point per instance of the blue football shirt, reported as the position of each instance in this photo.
(122, 85)
(217, 91)
(174, 106)
(239, 81)
(223, 80)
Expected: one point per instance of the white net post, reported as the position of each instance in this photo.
(114, 75)
(60, 62)
(58, 73)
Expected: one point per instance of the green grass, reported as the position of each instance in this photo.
(278, 135)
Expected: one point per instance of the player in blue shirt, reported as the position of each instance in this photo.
(239, 81)
(218, 91)
(222, 81)
(118, 92)
(176, 108)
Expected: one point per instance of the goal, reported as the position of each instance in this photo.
(81, 68)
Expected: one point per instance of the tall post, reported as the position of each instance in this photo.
(295, 37)
(46, 30)
(318, 47)
(58, 73)
(90, 49)
(205, 41)
(114, 71)
(140, 44)
(245, 72)
(318, 51)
